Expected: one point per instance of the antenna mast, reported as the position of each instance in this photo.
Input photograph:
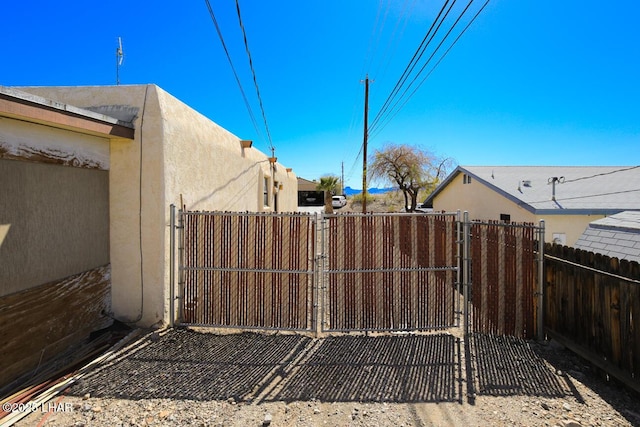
(119, 59)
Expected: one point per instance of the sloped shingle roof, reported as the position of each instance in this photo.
(584, 189)
(616, 236)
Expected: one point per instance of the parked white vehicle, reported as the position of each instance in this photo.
(338, 201)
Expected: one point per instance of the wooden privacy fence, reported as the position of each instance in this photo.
(389, 272)
(504, 278)
(247, 270)
(593, 307)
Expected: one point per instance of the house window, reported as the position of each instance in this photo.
(505, 217)
(265, 189)
(466, 179)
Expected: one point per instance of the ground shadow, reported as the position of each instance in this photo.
(507, 366)
(414, 368)
(183, 364)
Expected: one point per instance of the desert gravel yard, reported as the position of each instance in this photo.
(182, 377)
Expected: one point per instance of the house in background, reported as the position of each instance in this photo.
(616, 236)
(568, 198)
(88, 175)
(308, 194)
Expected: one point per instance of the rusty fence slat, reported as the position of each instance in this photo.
(503, 278)
(389, 272)
(247, 270)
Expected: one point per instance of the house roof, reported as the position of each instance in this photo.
(306, 185)
(578, 190)
(18, 104)
(616, 236)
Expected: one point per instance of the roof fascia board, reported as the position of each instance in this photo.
(503, 193)
(606, 212)
(443, 184)
(22, 106)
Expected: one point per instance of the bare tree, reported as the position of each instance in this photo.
(411, 168)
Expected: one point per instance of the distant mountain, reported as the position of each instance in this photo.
(353, 191)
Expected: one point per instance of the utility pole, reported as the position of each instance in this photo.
(342, 179)
(364, 144)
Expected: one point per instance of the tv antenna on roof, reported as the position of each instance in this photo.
(119, 59)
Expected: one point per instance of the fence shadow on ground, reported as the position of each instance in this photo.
(507, 366)
(184, 364)
(416, 368)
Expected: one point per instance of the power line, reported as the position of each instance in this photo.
(412, 63)
(391, 111)
(381, 127)
(255, 80)
(235, 74)
(393, 42)
(602, 174)
(589, 196)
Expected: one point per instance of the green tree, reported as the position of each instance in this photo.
(328, 184)
(410, 168)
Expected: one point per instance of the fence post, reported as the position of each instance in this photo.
(180, 297)
(540, 325)
(321, 291)
(466, 270)
(172, 262)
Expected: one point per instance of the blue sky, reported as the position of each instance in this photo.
(531, 82)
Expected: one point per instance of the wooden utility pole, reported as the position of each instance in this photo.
(364, 144)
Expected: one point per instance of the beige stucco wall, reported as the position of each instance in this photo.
(481, 202)
(485, 204)
(54, 219)
(177, 154)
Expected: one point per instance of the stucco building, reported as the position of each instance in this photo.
(568, 198)
(88, 175)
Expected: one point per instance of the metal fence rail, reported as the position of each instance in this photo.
(389, 272)
(247, 270)
(358, 272)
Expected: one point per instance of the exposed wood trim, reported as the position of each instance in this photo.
(40, 322)
(24, 110)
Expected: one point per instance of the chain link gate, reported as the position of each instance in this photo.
(371, 272)
(246, 270)
(389, 272)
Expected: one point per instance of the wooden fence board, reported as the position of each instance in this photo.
(592, 304)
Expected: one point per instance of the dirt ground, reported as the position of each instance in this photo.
(189, 378)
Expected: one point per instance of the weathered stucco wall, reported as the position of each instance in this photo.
(177, 154)
(54, 237)
(484, 204)
(56, 220)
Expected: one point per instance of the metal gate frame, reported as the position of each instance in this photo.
(406, 264)
(389, 272)
(233, 273)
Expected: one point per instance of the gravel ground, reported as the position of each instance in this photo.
(189, 378)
